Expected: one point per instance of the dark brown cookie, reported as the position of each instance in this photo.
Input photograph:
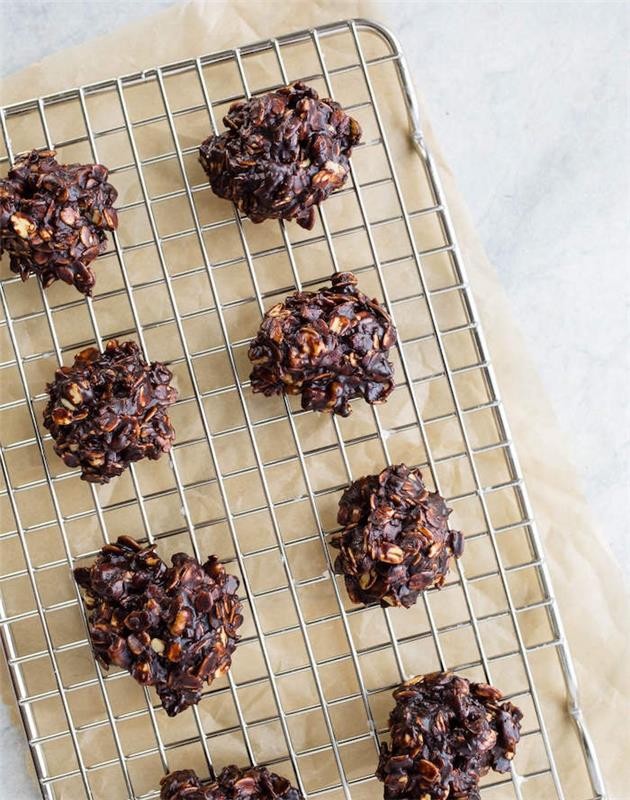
(282, 154)
(446, 733)
(330, 346)
(234, 783)
(53, 218)
(109, 409)
(395, 540)
(174, 628)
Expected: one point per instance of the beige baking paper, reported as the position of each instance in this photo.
(586, 581)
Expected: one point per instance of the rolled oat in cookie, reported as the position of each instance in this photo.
(395, 541)
(446, 733)
(54, 218)
(110, 409)
(174, 627)
(282, 154)
(328, 346)
(234, 783)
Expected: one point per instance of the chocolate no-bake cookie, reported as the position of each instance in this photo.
(445, 734)
(234, 783)
(282, 154)
(395, 540)
(109, 409)
(53, 218)
(174, 627)
(330, 346)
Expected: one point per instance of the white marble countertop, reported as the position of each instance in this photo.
(529, 101)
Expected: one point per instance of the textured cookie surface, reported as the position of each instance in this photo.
(395, 540)
(282, 154)
(54, 218)
(234, 783)
(329, 346)
(174, 627)
(446, 733)
(110, 409)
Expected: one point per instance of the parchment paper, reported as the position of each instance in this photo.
(587, 583)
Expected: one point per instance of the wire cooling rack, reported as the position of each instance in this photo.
(257, 480)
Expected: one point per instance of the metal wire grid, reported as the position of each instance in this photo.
(347, 782)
